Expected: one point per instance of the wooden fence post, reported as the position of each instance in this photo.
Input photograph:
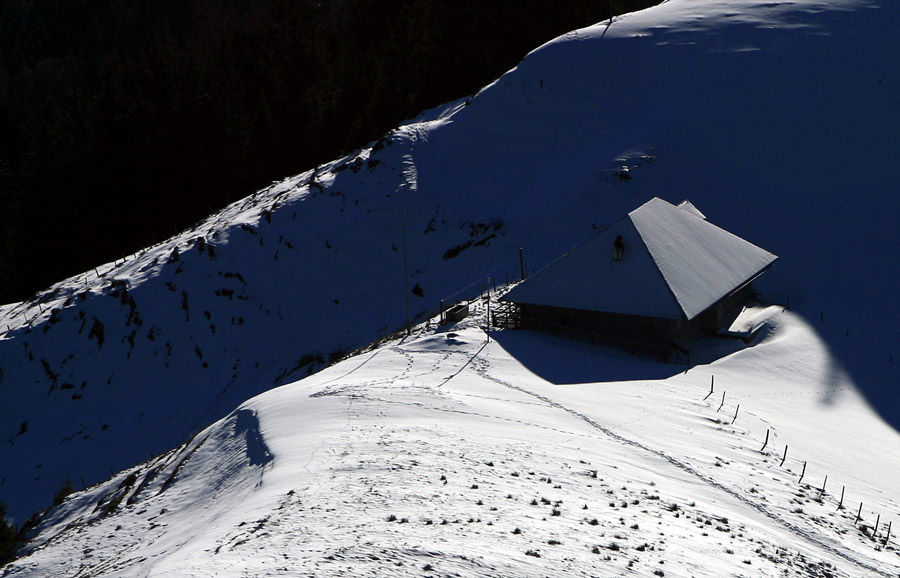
(736, 413)
(803, 473)
(858, 514)
(723, 402)
(888, 537)
(823, 485)
(488, 328)
(522, 262)
(841, 502)
(765, 443)
(712, 381)
(783, 457)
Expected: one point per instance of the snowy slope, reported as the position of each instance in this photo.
(443, 454)
(776, 119)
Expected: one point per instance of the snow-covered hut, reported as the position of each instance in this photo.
(656, 278)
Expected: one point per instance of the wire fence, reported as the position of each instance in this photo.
(870, 523)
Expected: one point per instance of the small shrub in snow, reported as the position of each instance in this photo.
(64, 490)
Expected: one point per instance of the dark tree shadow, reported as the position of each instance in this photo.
(247, 423)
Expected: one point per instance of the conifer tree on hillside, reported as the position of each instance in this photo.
(7, 537)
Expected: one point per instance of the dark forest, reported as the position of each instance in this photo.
(125, 121)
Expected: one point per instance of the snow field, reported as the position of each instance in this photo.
(440, 453)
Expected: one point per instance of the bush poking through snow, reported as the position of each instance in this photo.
(64, 490)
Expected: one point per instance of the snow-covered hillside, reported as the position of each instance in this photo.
(442, 454)
(778, 120)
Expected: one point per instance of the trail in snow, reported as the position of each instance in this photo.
(483, 370)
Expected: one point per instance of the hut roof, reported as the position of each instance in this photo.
(673, 264)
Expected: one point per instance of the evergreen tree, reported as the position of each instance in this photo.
(8, 537)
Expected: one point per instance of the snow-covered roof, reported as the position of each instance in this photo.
(675, 265)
